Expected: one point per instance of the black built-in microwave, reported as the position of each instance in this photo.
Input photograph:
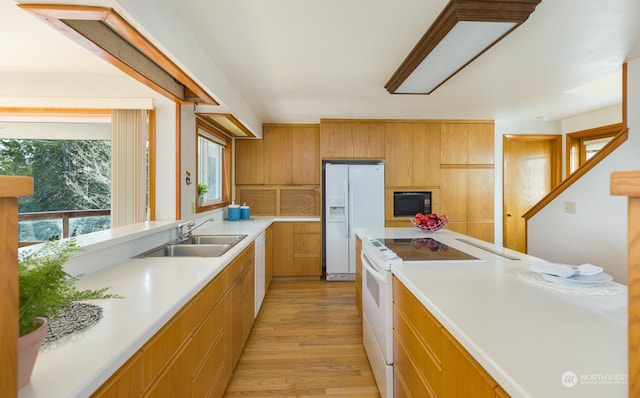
(408, 204)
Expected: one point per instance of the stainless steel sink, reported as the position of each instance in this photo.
(196, 246)
(187, 250)
(212, 240)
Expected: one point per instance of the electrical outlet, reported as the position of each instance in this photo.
(570, 207)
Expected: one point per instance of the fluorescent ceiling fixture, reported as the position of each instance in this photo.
(463, 30)
(463, 43)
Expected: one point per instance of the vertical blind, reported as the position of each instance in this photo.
(128, 166)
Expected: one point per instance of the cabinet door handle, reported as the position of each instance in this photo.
(509, 214)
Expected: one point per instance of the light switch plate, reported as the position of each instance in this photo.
(570, 207)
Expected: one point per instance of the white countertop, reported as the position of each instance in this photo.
(526, 336)
(154, 289)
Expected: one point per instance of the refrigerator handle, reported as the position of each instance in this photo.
(347, 208)
(350, 206)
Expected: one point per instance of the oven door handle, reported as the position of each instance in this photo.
(374, 271)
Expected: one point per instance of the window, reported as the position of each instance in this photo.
(213, 151)
(582, 145)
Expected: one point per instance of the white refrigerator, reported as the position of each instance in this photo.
(353, 198)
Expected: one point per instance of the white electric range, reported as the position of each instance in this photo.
(378, 256)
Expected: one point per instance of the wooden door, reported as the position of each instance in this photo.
(532, 167)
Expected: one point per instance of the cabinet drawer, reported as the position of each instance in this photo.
(207, 334)
(175, 381)
(126, 382)
(426, 327)
(307, 228)
(159, 350)
(428, 365)
(234, 269)
(208, 297)
(463, 375)
(407, 381)
(208, 380)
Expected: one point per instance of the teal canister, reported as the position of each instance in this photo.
(245, 213)
(233, 212)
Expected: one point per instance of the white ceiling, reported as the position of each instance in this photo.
(299, 61)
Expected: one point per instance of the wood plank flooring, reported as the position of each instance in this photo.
(306, 341)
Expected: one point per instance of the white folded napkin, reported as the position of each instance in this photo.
(589, 269)
(561, 270)
(564, 270)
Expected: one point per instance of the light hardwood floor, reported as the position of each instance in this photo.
(306, 341)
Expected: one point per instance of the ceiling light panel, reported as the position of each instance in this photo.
(463, 31)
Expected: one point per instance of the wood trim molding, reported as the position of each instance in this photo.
(624, 96)
(627, 183)
(152, 164)
(573, 141)
(456, 11)
(56, 112)
(226, 165)
(178, 164)
(603, 153)
(108, 35)
(227, 123)
(11, 187)
(417, 121)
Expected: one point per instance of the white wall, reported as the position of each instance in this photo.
(189, 162)
(597, 233)
(602, 117)
(166, 161)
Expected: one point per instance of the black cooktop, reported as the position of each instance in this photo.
(425, 249)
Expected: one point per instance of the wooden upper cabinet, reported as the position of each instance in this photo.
(467, 143)
(453, 144)
(351, 139)
(412, 154)
(399, 154)
(368, 140)
(249, 162)
(426, 154)
(287, 155)
(480, 141)
(305, 156)
(277, 154)
(334, 141)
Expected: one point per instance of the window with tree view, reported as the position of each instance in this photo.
(213, 154)
(70, 177)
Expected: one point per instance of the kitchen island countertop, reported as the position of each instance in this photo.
(528, 337)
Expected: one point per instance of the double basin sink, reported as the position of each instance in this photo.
(196, 246)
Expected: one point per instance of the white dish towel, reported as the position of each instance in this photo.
(564, 270)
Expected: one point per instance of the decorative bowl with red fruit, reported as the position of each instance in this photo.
(429, 222)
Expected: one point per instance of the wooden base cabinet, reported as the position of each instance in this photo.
(195, 353)
(297, 249)
(428, 361)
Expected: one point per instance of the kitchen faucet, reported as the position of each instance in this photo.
(191, 225)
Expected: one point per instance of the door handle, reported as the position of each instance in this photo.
(509, 214)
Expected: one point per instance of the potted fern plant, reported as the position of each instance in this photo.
(202, 189)
(44, 289)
